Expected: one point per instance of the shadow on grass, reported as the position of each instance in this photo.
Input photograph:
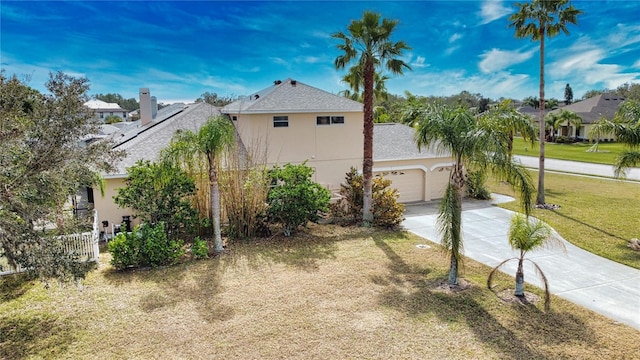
(15, 285)
(29, 336)
(511, 335)
(589, 225)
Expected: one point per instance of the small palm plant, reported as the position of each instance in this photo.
(526, 235)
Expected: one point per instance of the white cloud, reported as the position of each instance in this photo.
(419, 62)
(454, 37)
(496, 59)
(491, 10)
(636, 64)
(494, 85)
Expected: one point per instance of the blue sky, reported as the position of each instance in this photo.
(182, 49)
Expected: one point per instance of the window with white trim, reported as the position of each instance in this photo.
(280, 121)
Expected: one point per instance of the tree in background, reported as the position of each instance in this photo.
(368, 44)
(506, 121)
(214, 99)
(532, 101)
(551, 104)
(626, 127)
(206, 146)
(568, 95)
(538, 20)
(43, 161)
(127, 104)
(159, 192)
(472, 145)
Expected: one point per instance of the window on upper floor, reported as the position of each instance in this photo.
(329, 120)
(280, 121)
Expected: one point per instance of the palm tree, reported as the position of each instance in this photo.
(368, 44)
(551, 103)
(355, 81)
(525, 236)
(471, 144)
(508, 122)
(570, 118)
(207, 145)
(626, 127)
(540, 19)
(552, 122)
(532, 101)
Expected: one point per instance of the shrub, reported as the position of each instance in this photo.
(199, 248)
(476, 188)
(146, 245)
(387, 212)
(296, 199)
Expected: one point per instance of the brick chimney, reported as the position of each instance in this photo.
(146, 115)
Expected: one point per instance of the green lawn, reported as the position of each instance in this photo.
(607, 152)
(328, 293)
(598, 215)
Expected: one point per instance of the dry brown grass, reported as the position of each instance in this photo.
(330, 293)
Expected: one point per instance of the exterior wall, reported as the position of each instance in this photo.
(331, 149)
(102, 114)
(584, 134)
(107, 208)
(434, 172)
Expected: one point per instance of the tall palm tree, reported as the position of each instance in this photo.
(538, 20)
(368, 44)
(206, 145)
(471, 144)
(508, 122)
(526, 235)
(626, 127)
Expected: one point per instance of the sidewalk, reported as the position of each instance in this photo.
(576, 167)
(602, 285)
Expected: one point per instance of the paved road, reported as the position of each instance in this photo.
(576, 167)
(596, 283)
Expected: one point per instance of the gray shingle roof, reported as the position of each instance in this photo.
(145, 143)
(592, 109)
(393, 141)
(291, 96)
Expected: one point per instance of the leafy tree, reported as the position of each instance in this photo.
(368, 44)
(568, 95)
(591, 93)
(214, 99)
(526, 235)
(111, 119)
(146, 245)
(472, 145)
(532, 101)
(626, 127)
(127, 104)
(207, 145)
(387, 212)
(296, 199)
(159, 192)
(551, 103)
(629, 91)
(540, 19)
(42, 162)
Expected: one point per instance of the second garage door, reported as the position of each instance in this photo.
(410, 183)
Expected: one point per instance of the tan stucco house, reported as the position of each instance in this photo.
(290, 122)
(591, 110)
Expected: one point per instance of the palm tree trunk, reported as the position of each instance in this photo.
(453, 271)
(367, 163)
(540, 198)
(215, 205)
(457, 180)
(520, 278)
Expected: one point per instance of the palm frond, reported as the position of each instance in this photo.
(494, 270)
(545, 285)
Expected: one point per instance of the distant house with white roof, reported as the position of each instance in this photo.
(104, 109)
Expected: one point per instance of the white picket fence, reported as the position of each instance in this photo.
(85, 245)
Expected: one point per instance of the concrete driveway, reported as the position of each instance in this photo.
(579, 276)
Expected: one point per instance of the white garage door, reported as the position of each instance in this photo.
(410, 183)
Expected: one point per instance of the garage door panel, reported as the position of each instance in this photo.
(410, 183)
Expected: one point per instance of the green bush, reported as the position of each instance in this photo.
(295, 199)
(146, 245)
(387, 212)
(199, 248)
(476, 188)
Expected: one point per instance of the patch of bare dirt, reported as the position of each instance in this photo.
(528, 298)
(444, 286)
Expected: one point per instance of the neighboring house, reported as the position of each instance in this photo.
(591, 110)
(143, 140)
(104, 109)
